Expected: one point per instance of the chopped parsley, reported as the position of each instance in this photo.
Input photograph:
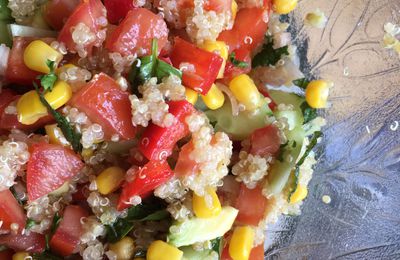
(268, 55)
(45, 256)
(54, 225)
(29, 223)
(47, 81)
(309, 113)
(301, 83)
(237, 63)
(217, 245)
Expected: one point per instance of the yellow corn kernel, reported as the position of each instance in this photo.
(245, 91)
(110, 179)
(160, 250)
(299, 195)
(191, 95)
(234, 8)
(241, 243)
(20, 256)
(36, 55)
(221, 49)
(55, 135)
(214, 98)
(124, 249)
(30, 108)
(206, 206)
(283, 6)
(317, 93)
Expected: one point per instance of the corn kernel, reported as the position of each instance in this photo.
(299, 195)
(36, 55)
(109, 180)
(191, 95)
(206, 206)
(160, 250)
(55, 135)
(284, 6)
(20, 256)
(317, 93)
(234, 8)
(30, 108)
(214, 98)
(241, 243)
(245, 91)
(221, 49)
(124, 249)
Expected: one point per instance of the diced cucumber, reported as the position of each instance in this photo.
(190, 254)
(28, 31)
(5, 36)
(294, 117)
(196, 229)
(281, 97)
(5, 12)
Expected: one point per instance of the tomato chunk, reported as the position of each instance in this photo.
(185, 165)
(145, 180)
(117, 9)
(248, 30)
(56, 12)
(265, 141)
(218, 6)
(107, 105)
(135, 33)
(206, 65)
(10, 212)
(49, 167)
(250, 213)
(157, 142)
(232, 71)
(6, 254)
(89, 13)
(67, 236)
(32, 242)
(6, 97)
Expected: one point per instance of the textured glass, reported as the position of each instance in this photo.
(359, 158)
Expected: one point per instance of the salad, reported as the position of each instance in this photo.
(159, 130)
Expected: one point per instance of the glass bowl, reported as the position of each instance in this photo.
(359, 157)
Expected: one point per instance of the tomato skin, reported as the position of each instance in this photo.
(155, 173)
(67, 236)
(206, 65)
(248, 24)
(185, 165)
(218, 6)
(232, 71)
(10, 212)
(117, 9)
(49, 167)
(6, 254)
(250, 213)
(265, 141)
(135, 33)
(87, 12)
(32, 243)
(56, 12)
(157, 143)
(107, 105)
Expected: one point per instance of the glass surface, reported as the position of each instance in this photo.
(359, 158)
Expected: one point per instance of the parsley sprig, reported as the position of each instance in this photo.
(48, 80)
(237, 63)
(268, 55)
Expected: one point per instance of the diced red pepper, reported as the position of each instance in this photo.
(249, 214)
(49, 167)
(10, 212)
(66, 239)
(157, 143)
(32, 242)
(107, 105)
(206, 65)
(265, 141)
(117, 9)
(145, 180)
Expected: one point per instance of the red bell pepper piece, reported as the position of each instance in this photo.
(145, 180)
(157, 142)
(206, 65)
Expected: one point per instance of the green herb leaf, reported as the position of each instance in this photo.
(237, 63)
(309, 113)
(69, 132)
(156, 216)
(56, 222)
(279, 157)
(47, 81)
(301, 83)
(29, 223)
(163, 70)
(268, 55)
(45, 256)
(217, 245)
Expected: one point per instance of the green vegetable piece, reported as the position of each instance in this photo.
(5, 36)
(5, 12)
(218, 245)
(268, 55)
(196, 229)
(309, 113)
(29, 223)
(48, 80)
(190, 254)
(301, 83)
(237, 63)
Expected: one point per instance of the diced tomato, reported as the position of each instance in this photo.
(49, 167)
(88, 12)
(117, 9)
(145, 180)
(257, 253)
(17, 72)
(6, 254)
(67, 236)
(250, 213)
(10, 121)
(265, 141)
(107, 105)
(10, 212)
(185, 165)
(218, 6)
(56, 12)
(6, 97)
(156, 143)
(32, 242)
(248, 30)
(135, 33)
(232, 71)
(206, 65)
